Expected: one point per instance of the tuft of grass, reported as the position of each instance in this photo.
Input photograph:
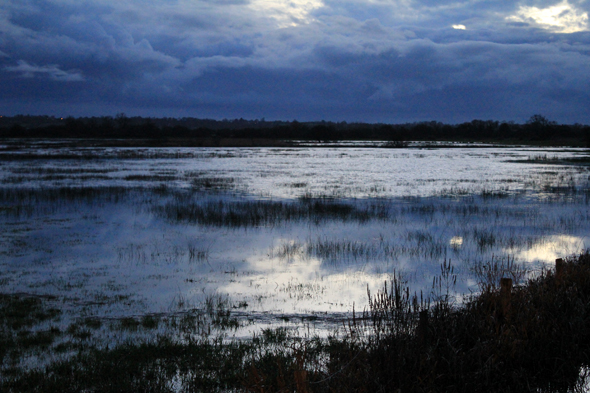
(150, 178)
(77, 331)
(129, 323)
(150, 322)
(218, 308)
(40, 339)
(19, 311)
(197, 254)
(93, 323)
(489, 273)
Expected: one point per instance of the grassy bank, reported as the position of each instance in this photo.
(535, 336)
(532, 337)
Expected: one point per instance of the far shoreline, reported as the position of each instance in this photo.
(174, 142)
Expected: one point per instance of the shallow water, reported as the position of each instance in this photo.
(134, 249)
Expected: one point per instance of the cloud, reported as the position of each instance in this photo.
(372, 60)
(287, 13)
(562, 17)
(53, 72)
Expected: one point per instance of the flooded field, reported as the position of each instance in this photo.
(243, 239)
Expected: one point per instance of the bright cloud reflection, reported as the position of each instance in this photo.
(456, 242)
(552, 248)
(302, 284)
(562, 17)
(459, 27)
(287, 13)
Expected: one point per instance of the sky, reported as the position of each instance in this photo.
(390, 61)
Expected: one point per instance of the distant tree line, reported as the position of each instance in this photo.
(537, 128)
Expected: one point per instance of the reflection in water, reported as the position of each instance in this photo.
(301, 285)
(552, 247)
(456, 242)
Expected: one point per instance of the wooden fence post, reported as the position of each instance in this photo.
(301, 381)
(558, 271)
(423, 327)
(506, 296)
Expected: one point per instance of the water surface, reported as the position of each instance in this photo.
(282, 235)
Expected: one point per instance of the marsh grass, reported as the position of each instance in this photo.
(416, 244)
(25, 310)
(61, 171)
(150, 177)
(24, 320)
(198, 254)
(471, 346)
(546, 159)
(536, 340)
(107, 154)
(221, 315)
(66, 360)
(199, 181)
(150, 321)
(160, 365)
(26, 202)
(257, 213)
(31, 195)
(489, 273)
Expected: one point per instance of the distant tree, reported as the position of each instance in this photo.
(323, 133)
(122, 120)
(149, 130)
(394, 136)
(17, 131)
(586, 136)
(505, 130)
(539, 121)
(539, 127)
(73, 127)
(106, 127)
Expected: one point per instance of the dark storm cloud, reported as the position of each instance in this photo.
(342, 60)
(64, 37)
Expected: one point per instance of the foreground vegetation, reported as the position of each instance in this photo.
(535, 336)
